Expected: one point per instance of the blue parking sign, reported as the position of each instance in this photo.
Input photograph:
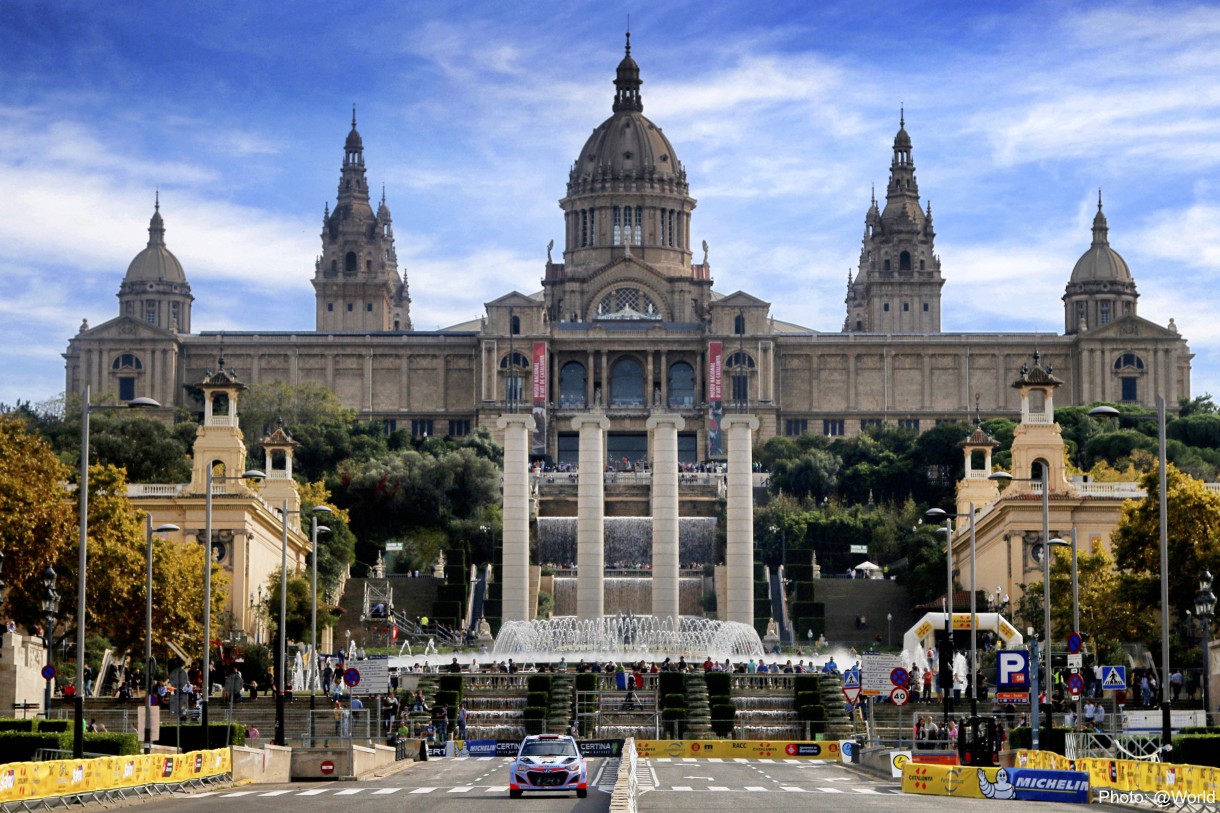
(1012, 670)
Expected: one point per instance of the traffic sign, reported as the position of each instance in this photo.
(875, 671)
(1113, 678)
(1012, 670)
(851, 679)
(899, 676)
(899, 696)
(352, 676)
(851, 694)
(1075, 661)
(327, 767)
(48, 672)
(1075, 683)
(178, 678)
(1074, 642)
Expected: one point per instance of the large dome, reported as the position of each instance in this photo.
(1100, 263)
(627, 144)
(156, 263)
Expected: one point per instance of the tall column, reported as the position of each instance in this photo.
(515, 563)
(665, 427)
(590, 516)
(739, 558)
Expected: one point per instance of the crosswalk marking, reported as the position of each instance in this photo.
(829, 790)
(275, 793)
(317, 792)
(235, 794)
(462, 789)
(348, 792)
(792, 788)
(497, 789)
(385, 791)
(756, 788)
(681, 787)
(873, 791)
(423, 790)
(717, 787)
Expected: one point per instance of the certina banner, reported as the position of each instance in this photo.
(509, 748)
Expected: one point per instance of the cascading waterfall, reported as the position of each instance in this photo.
(626, 638)
(628, 540)
(629, 594)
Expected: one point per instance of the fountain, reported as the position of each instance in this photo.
(628, 594)
(628, 540)
(626, 638)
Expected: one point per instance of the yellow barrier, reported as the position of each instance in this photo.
(1126, 775)
(945, 780)
(68, 777)
(748, 749)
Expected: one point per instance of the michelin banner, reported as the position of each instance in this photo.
(1001, 784)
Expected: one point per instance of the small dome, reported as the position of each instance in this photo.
(1101, 263)
(156, 263)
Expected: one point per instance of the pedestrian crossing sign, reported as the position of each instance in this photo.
(851, 679)
(1113, 678)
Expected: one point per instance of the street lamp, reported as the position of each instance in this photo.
(50, 611)
(1205, 608)
(281, 648)
(1163, 510)
(210, 478)
(149, 530)
(86, 409)
(946, 656)
(314, 528)
(783, 567)
(889, 618)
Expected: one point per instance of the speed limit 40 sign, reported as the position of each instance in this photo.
(899, 696)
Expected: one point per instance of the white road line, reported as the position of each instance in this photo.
(315, 792)
(497, 789)
(829, 790)
(235, 794)
(792, 788)
(741, 759)
(717, 787)
(681, 787)
(714, 759)
(423, 790)
(757, 788)
(872, 791)
(462, 789)
(385, 791)
(275, 793)
(349, 792)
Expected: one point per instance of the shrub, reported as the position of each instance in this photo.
(719, 683)
(674, 721)
(671, 683)
(1053, 740)
(20, 746)
(723, 717)
(54, 725)
(1197, 749)
(535, 719)
(449, 698)
(220, 735)
(538, 683)
(18, 725)
(815, 713)
(677, 702)
(537, 699)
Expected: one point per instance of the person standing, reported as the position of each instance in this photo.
(461, 721)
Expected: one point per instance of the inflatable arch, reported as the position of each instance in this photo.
(922, 636)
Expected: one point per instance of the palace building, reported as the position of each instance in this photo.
(631, 319)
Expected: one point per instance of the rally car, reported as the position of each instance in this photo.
(548, 763)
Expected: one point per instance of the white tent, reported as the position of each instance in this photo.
(869, 570)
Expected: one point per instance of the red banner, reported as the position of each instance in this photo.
(715, 405)
(539, 375)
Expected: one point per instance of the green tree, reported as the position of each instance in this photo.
(814, 474)
(1107, 618)
(1194, 539)
(37, 524)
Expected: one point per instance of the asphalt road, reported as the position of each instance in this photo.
(472, 785)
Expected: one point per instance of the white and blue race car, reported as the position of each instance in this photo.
(548, 763)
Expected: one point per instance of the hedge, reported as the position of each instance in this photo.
(1053, 740)
(19, 725)
(537, 699)
(669, 683)
(719, 683)
(723, 716)
(448, 698)
(534, 719)
(815, 713)
(20, 746)
(1197, 749)
(54, 725)
(538, 683)
(192, 735)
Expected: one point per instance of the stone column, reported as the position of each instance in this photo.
(665, 427)
(515, 563)
(590, 516)
(739, 558)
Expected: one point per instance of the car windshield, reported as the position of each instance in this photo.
(549, 748)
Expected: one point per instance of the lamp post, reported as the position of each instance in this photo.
(1205, 608)
(86, 409)
(946, 656)
(149, 530)
(314, 528)
(281, 647)
(209, 480)
(1162, 509)
(971, 683)
(50, 611)
(889, 619)
(1044, 480)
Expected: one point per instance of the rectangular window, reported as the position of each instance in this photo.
(909, 423)
(584, 227)
(870, 423)
(906, 307)
(330, 307)
(459, 427)
(618, 226)
(150, 312)
(671, 227)
(368, 307)
(513, 388)
(795, 427)
(886, 307)
(174, 313)
(925, 307)
(421, 427)
(1103, 313)
(127, 388)
(349, 307)
(1131, 390)
(1080, 314)
(390, 425)
(833, 427)
(639, 226)
(741, 389)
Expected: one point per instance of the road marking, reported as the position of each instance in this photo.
(792, 788)
(416, 790)
(348, 792)
(829, 790)
(275, 793)
(237, 793)
(741, 759)
(757, 788)
(716, 787)
(313, 792)
(873, 791)
(681, 787)
(497, 789)
(462, 789)
(714, 759)
(385, 791)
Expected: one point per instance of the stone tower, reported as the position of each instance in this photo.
(627, 202)
(155, 289)
(1101, 290)
(1038, 440)
(356, 281)
(218, 440)
(897, 286)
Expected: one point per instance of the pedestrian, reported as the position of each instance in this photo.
(461, 721)
(440, 721)
(327, 674)
(1175, 684)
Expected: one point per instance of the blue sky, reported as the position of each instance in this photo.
(471, 114)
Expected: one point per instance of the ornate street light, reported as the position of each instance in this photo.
(1205, 608)
(149, 530)
(314, 530)
(50, 612)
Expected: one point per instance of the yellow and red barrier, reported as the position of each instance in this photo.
(68, 777)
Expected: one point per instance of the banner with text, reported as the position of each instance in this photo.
(715, 399)
(539, 368)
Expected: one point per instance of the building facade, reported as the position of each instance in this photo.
(628, 321)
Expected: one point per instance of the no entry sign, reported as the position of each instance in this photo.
(327, 767)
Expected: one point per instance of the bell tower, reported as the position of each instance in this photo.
(357, 286)
(1038, 440)
(897, 285)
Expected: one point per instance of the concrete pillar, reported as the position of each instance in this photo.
(514, 595)
(590, 516)
(665, 427)
(739, 558)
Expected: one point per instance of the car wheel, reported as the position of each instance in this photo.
(582, 793)
(514, 793)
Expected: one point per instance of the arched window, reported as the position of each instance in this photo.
(515, 325)
(739, 324)
(627, 304)
(515, 368)
(349, 262)
(904, 261)
(1128, 360)
(681, 385)
(573, 385)
(885, 266)
(738, 366)
(626, 383)
(127, 361)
